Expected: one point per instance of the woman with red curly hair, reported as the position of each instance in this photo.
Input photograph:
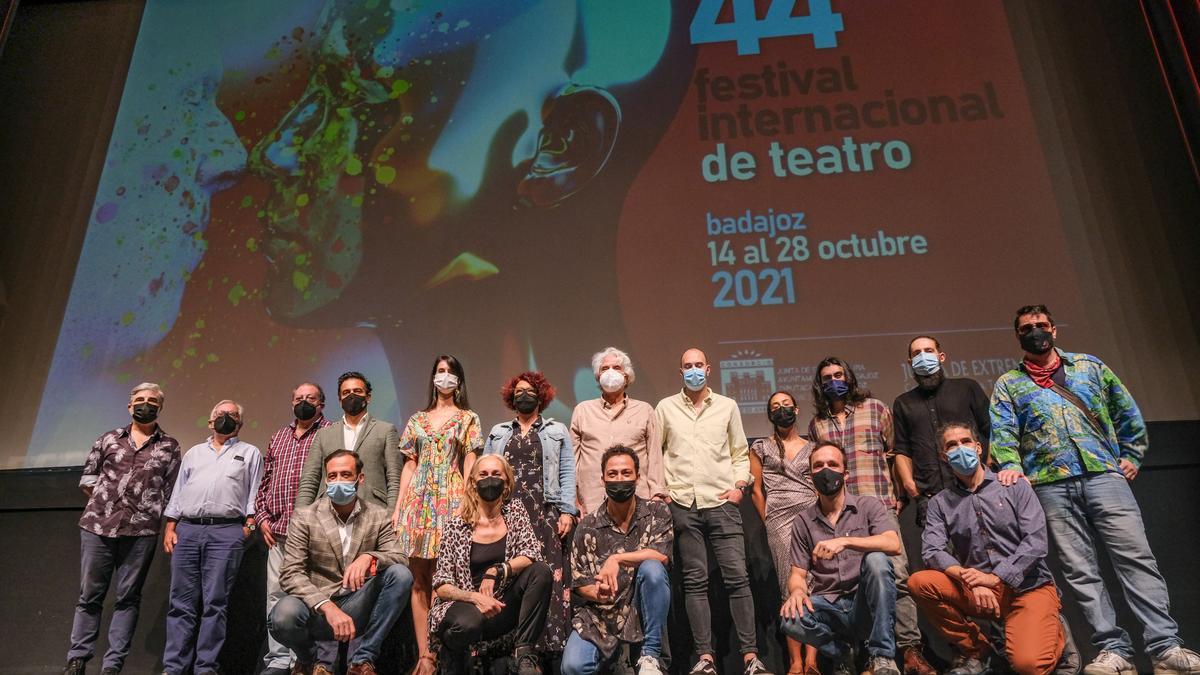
(539, 450)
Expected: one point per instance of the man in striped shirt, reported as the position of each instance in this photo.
(847, 415)
(277, 496)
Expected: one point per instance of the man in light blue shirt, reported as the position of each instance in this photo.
(210, 514)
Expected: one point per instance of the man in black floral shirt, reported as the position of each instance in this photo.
(619, 567)
(128, 478)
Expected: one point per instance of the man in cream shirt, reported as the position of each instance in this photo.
(706, 464)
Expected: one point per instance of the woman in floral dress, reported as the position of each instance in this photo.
(438, 443)
(539, 450)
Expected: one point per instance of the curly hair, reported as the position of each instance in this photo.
(855, 396)
(545, 390)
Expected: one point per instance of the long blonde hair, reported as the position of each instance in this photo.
(471, 503)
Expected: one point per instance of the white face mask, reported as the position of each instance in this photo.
(612, 380)
(445, 381)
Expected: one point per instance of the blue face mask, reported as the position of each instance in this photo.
(341, 493)
(964, 460)
(835, 388)
(694, 378)
(926, 363)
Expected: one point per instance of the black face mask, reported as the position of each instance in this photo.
(304, 411)
(1037, 341)
(525, 403)
(489, 488)
(225, 424)
(620, 491)
(144, 413)
(354, 404)
(783, 418)
(828, 481)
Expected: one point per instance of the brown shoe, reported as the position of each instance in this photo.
(301, 669)
(322, 669)
(361, 668)
(915, 663)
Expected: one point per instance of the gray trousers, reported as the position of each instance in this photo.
(104, 561)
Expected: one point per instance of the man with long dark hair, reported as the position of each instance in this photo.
(847, 415)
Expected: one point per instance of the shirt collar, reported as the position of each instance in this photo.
(358, 507)
(609, 406)
(850, 503)
(231, 441)
(316, 424)
(683, 394)
(127, 432)
(1067, 359)
(362, 421)
(604, 519)
(988, 477)
(537, 423)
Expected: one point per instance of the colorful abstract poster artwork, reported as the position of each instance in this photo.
(297, 189)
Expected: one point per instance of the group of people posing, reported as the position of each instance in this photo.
(551, 544)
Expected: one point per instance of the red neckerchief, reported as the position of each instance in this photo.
(1043, 376)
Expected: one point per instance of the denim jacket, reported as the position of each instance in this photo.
(558, 459)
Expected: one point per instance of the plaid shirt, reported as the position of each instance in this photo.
(866, 436)
(281, 474)
(1036, 430)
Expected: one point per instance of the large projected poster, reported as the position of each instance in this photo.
(296, 189)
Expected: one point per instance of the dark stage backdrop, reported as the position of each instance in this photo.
(229, 197)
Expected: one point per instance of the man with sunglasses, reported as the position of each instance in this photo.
(1065, 423)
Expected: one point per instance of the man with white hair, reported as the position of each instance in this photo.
(614, 419)
(210, 515)
(128, 478)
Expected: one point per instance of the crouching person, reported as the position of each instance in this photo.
(984, 547)
(842, 589)
(619, 567)
(344, 580)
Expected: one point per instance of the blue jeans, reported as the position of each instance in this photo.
(374, 608)
(122, 562)
(869, 614)
(204, 566)
(1101, 506)
(653, 595)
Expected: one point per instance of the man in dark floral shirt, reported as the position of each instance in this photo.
(128, 478)
(619, 567)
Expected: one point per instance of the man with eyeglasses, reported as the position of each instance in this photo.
(277, 497)
(209, 517)
(377, 442)
(1064, 422)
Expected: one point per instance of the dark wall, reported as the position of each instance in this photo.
(39, 510)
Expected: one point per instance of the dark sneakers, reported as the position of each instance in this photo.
(75, 667)
(527, 662)
(703, 667)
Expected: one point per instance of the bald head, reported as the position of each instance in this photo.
(693, 358)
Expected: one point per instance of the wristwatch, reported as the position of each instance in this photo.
(251, 525)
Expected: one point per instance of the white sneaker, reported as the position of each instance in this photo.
(648, 665)
(1177, 661)
(1109, 663)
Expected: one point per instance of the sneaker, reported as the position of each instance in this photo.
(1109, 663)
(1177, 660)
(966, 665)
(703, 667)
(755, 667)
(75, 667)
(648, 665)
(527, 662)
(882, 665)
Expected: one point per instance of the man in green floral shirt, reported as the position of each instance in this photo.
(1065, 422)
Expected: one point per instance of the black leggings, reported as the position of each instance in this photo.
(526, 602)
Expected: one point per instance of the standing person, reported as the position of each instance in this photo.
(276, 498)
(1065, 422)
(375, 441)
(619, 568)
(539, 450)
(209, 517)
(842, 590)
(344, 578)
(614, 419)
(779, 465)
(706, 465)
(128, 478)
(439, 445)
(490, 581)
(985, 547)
(918, 413)
(862, 426)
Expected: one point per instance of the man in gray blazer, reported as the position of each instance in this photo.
(376, 442)
(343, 576)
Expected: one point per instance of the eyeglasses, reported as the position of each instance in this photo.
(1026, 329)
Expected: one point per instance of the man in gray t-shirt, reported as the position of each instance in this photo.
(842, 588)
